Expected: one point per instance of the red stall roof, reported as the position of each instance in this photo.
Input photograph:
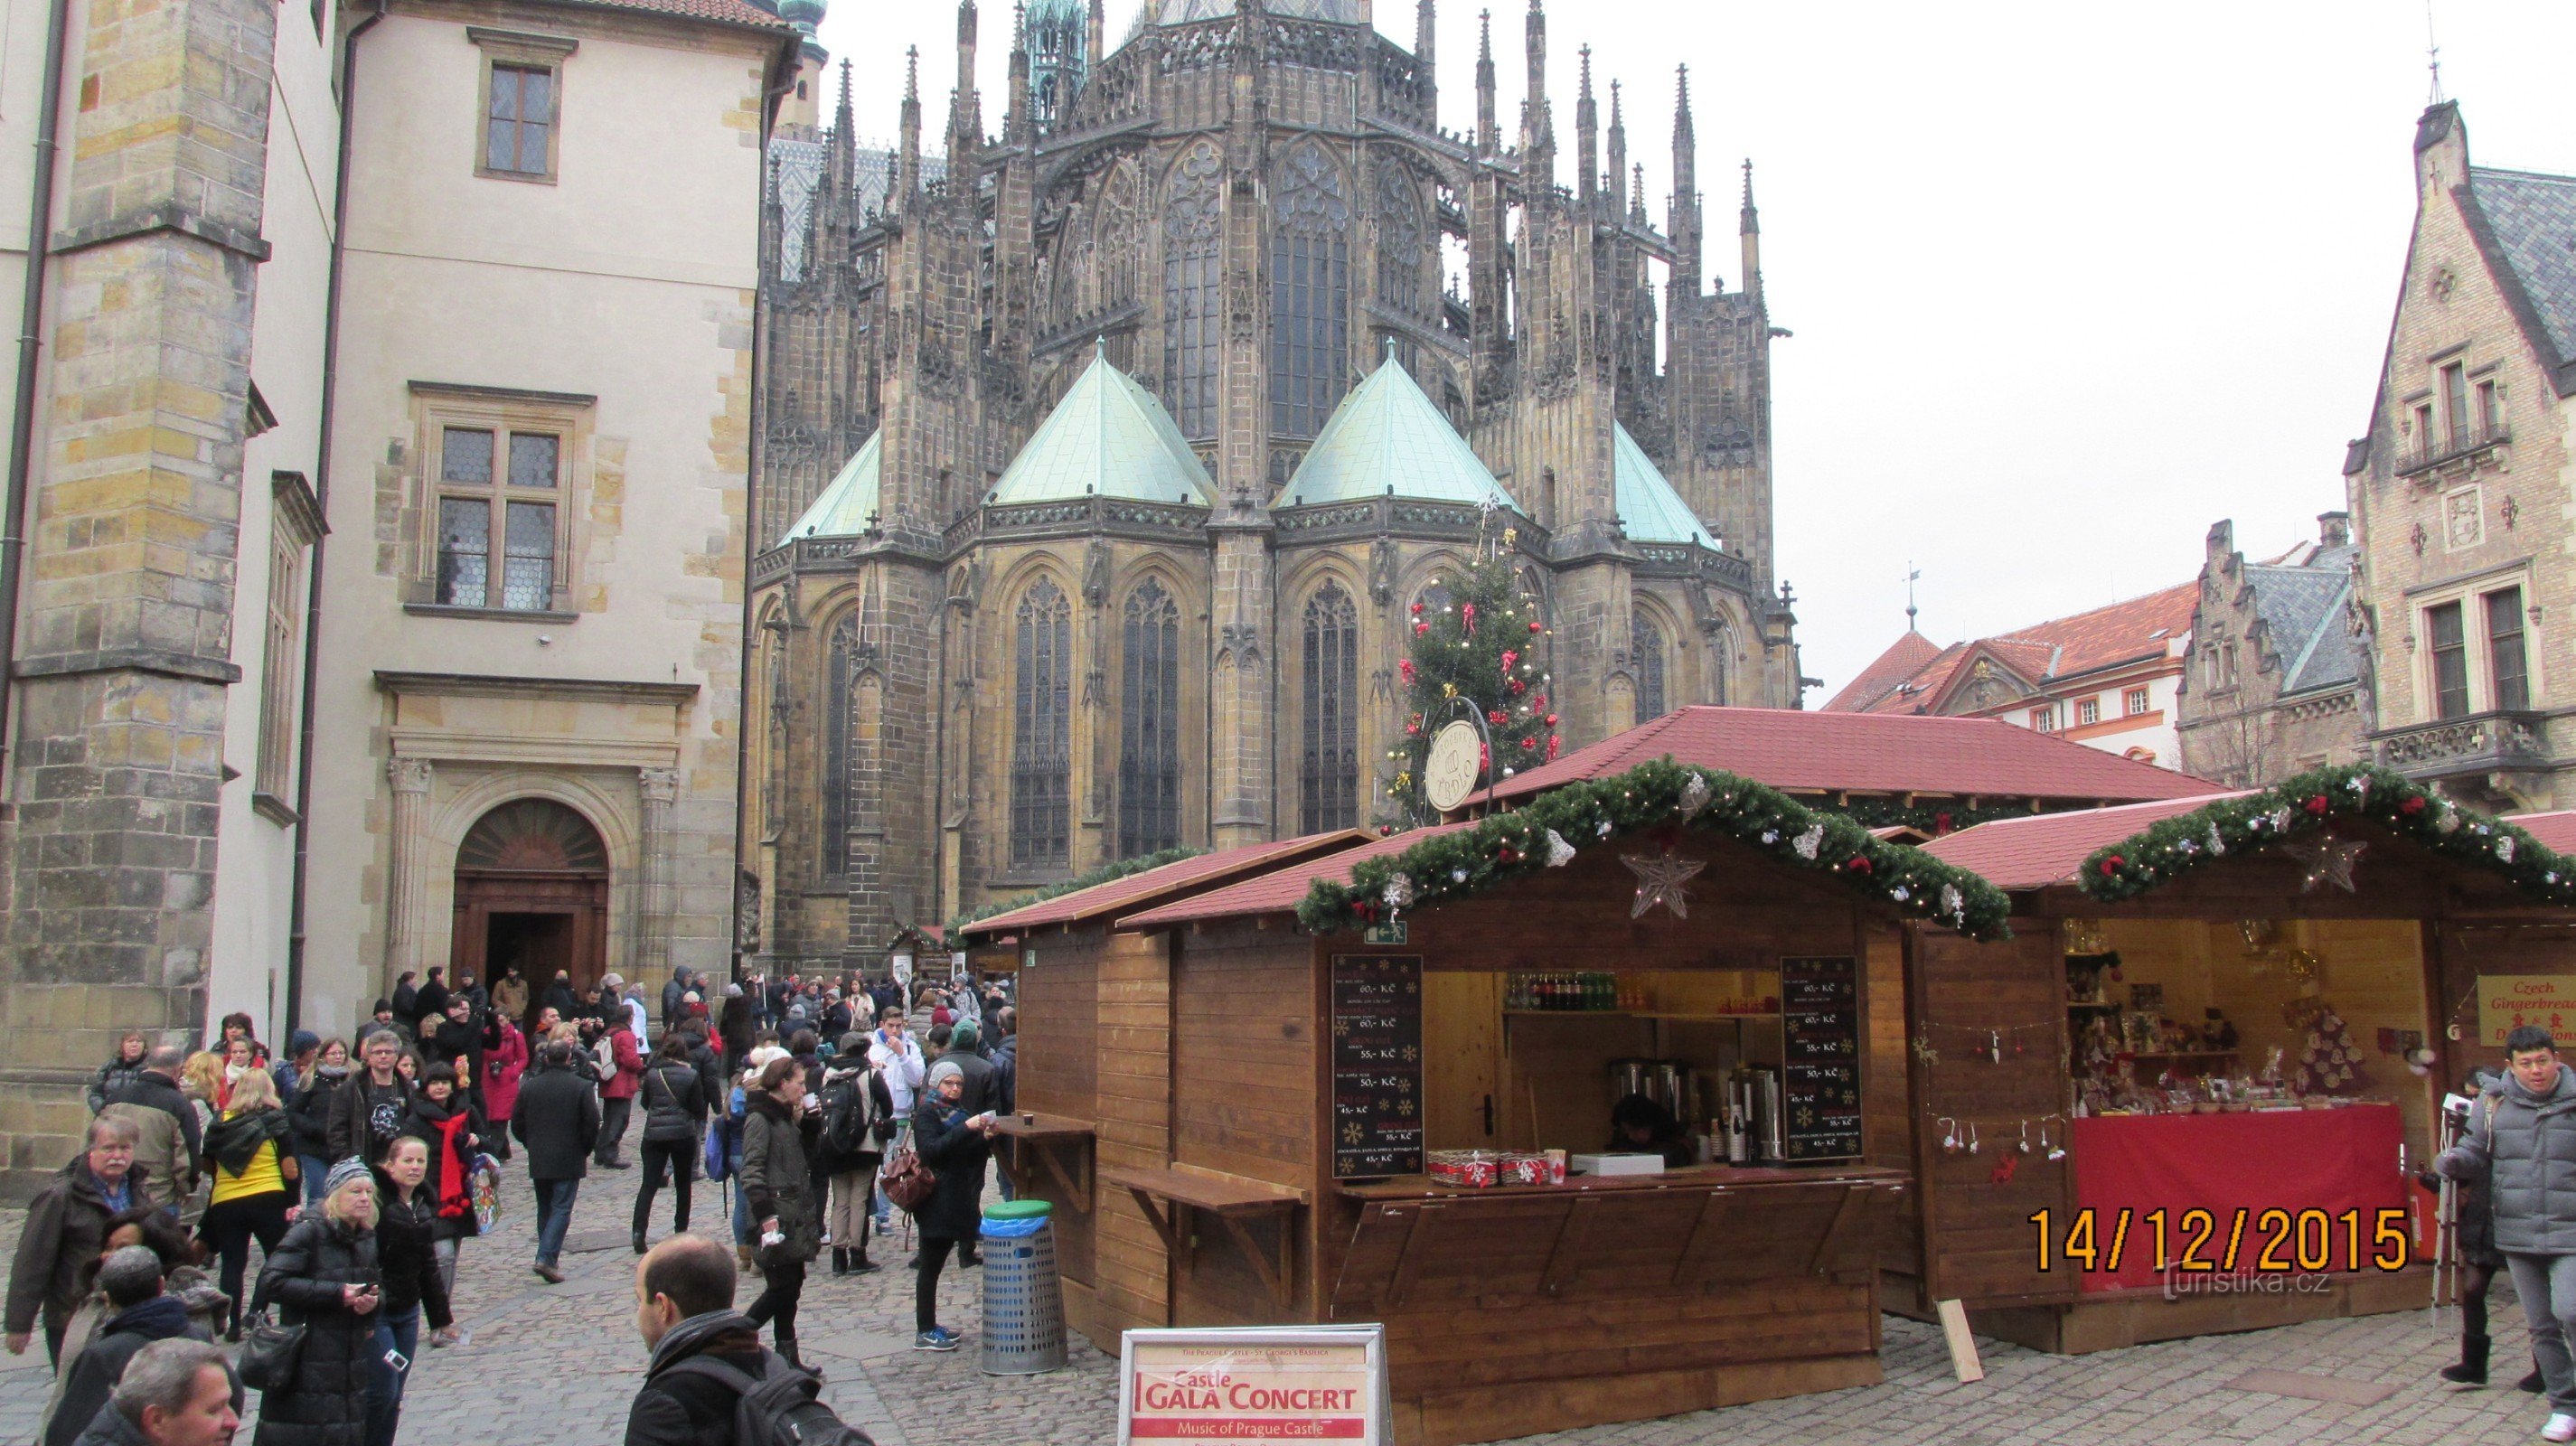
(2048, 848)
(2557, 830)
(1122, 893)
(1279, 891)
(1871, 753)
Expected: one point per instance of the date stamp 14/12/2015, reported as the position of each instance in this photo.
(2198, 1241)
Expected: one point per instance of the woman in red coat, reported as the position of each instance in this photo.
(505, 1058)
(621, 1075)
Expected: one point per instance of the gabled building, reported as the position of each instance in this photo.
(2458, 489)
(2274, 681)
(2105, 678)
(1102, 457)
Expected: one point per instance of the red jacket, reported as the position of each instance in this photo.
(630, 1067)
(503, 1063)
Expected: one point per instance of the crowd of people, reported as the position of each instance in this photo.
(361, 1166)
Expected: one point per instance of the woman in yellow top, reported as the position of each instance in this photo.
(255, 1170)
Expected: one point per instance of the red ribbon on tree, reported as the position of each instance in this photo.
(2412, 806)
(2111, 865)
(2317, 806)
(1467, 615)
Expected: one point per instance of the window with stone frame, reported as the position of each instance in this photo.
(1194, 289)
(1400, 237)
(1042, 730)
(2134, 701)
(2449, 647)
(500, 501)
(1647, 640)
(294, 525)
(840, 743)
(2088, 711)
(1149, 724)
(521, 122)
(2508, 665)
(1310, 293)
(1328, 775)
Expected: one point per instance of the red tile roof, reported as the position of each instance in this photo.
(2048, 848)
(1870, 753)
(1277, 892)
(730, 12)
(2557, 830)
(2068, 647)
(1135, 889)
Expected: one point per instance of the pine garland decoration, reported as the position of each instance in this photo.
(2305, 805)
(1117, 869)
(1502, 847)
(1483, 645)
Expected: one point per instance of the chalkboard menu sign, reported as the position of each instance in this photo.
(1377, 1066)
(1820, 1057)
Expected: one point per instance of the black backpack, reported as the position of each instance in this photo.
(782, 1408)
(845, 1116)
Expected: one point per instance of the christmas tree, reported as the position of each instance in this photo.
(1482, 646)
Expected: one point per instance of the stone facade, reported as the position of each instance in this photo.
(2273, 681)
(2458, 490)
(1179, 215)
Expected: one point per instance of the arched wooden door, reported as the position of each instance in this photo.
(531, 890)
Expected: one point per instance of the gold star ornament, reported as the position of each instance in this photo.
(2327, 861)
(1660, 880)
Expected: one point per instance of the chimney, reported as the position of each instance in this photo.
(2334, 529)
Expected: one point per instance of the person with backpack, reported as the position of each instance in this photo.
(708, 1382)
(858, 1120)
(2521, 1138)
(675, 1109)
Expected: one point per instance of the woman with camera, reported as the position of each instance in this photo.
(324, 1278)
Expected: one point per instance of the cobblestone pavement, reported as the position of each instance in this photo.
(559, 1364)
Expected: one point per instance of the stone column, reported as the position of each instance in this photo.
(658, 787)
(410, 778)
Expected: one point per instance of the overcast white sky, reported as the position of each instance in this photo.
(2069, 282)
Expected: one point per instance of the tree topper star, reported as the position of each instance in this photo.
(1659, 881)
(2327, 861)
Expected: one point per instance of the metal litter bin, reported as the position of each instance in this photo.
(1023, 1325)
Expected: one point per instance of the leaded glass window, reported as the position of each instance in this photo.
(1194, 289)
(1329, 776)
(840, 741)
(497, 535)
(518, 123)
(1149, 725)
(1042, 731)
(1648, 642)
(1310, 294)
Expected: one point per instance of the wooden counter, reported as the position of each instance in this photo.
(1028, 1139)
(1423, 1187)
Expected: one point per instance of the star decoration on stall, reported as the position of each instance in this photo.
(1660, 880)
(2327, 861)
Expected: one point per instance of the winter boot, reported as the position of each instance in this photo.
(742, 1258)
(840, 1261)
(2472, 1369)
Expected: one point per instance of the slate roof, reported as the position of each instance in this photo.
(1278, 891)
(1108, 436)
(1870, 753)
(1386, 438)
(2068, 647)
(1649, 508)
(1135, 890)
(2303, 607)
(1182, 12)
(2532, 218)
(799, 158)
(845, 504)
(2048, 848)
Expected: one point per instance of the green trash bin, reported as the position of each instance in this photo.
(1023, 1324)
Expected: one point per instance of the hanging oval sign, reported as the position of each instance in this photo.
(1449, 774)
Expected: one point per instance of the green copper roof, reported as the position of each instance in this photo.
(846, 502)
(1648, 506)
(1108, 436)
(1386, 438)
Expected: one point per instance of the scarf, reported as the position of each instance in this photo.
(455, 1170)
(234, 1140)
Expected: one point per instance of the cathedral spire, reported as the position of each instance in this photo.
(1423, 39)
(1618, 158)
(1748, 230)
(1587, 120)
(1092, 54)
(1637, 194)
(1538, 135)
(1685, 227)
(907, 166)
(1016, 121)
(965, 108)
(1489, 134)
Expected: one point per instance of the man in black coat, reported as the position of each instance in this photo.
(132, 1280)
(431, 1006)
(559, 996)
(558, 1120)
(684, 1310)
(369, 1110)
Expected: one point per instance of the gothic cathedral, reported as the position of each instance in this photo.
(1100, 462)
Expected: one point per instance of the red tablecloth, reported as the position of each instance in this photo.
(2295, 1160)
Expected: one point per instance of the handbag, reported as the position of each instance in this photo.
(270, 1353)
(905, 1180)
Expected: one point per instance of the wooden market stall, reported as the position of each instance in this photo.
(2223, 1026)
(1295, 1080)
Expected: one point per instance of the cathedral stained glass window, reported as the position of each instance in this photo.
(1193, 289)
(1399, 241)
(1310, 293)
(1149, 725)
(1329, 775)
(1648, 641)
(1042, 731)
(840, 742)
